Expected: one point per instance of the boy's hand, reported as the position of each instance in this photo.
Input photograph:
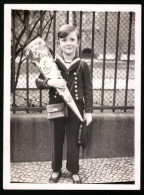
(88, 118)
(58, 83)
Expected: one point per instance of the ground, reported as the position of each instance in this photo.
(94, 170)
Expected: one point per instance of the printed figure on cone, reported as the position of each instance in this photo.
(68, 63)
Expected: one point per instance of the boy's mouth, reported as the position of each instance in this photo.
(68, 47)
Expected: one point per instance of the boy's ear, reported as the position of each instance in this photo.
(58, 42)
(78, 43)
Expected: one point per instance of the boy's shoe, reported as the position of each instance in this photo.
(76, 181)
(55, 179)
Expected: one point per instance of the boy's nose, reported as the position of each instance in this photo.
(68, 42)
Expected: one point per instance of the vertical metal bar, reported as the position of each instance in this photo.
(27, 63)
(104, 56)
(54, 33)
(92, 53)
(41, 21)
(13, 58)
(74, 18)
(27, 82)
(80, 32)
(116, 59)
(128, 59)
(67, 17)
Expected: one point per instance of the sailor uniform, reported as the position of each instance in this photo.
(82, 94)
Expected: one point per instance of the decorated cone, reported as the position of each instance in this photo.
(41, 57)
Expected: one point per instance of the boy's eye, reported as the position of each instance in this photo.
(72, 39)
(63, 40)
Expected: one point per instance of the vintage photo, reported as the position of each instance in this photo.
(72, 96)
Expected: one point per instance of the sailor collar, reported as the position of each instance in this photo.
(60, 62)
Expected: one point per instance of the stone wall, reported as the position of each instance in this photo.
(111, 135)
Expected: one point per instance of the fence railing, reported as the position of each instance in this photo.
(107, 45)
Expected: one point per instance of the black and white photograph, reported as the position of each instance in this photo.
(72, 87)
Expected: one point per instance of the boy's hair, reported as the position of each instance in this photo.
(66, 29)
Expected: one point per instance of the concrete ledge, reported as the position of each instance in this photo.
(111, 135)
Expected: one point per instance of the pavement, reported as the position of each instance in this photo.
(93, 170)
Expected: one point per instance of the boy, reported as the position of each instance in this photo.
(68, 62)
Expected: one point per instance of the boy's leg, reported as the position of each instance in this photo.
(72, 126)
(57, 153)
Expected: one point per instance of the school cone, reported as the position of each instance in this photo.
(37, 52)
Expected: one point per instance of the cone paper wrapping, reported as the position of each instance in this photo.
(41, 57)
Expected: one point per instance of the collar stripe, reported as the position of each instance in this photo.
(65, 65)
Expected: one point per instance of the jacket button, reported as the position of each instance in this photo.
(74, 73)
(75, 78)
(76, 95)
(76, 90)
(76, 98)
(75, 86)
(55, 96)
(81, 126)
(75, 82)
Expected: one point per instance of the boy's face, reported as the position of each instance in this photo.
(69, 44)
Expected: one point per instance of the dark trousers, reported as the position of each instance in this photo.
(69, 126)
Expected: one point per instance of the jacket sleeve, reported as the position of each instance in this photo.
(88, 91)
(41, 82)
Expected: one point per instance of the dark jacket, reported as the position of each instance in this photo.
(82, 89)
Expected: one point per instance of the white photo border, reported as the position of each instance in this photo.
(6, 127)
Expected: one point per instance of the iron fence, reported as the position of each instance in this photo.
(107, 44)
